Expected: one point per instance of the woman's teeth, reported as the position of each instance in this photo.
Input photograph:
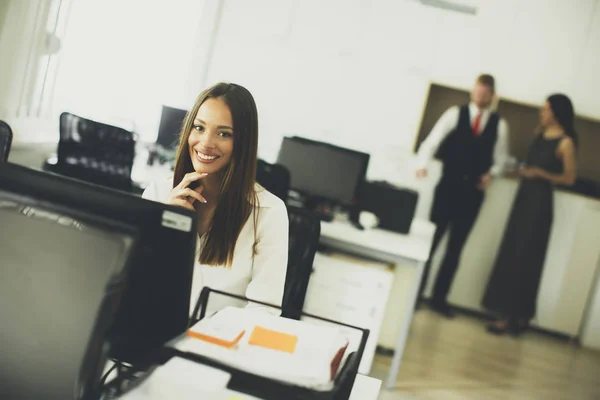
(205, 157)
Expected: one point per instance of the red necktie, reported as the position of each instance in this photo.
(476, 124)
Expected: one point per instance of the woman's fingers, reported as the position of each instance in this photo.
(189, 178)
(192, 195)
(183, 195)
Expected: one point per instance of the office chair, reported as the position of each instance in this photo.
(5, 140)
(304, 234)
(94, 152)
(273, 177)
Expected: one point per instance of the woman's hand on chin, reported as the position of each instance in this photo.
(188, 191)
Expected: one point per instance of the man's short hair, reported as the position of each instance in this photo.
(488, 80)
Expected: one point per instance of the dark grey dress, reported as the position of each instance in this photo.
(513, 286)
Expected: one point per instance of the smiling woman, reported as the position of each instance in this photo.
(243, 229)
(211, 138)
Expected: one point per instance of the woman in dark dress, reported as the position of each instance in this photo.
(513, 287)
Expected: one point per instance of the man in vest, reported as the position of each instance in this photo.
(472, 143)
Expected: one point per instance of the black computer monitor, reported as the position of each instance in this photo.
(155, 306)
(171, 120)
(62, 271)
(323, 170)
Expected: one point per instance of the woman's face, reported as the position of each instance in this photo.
(546, 115)
(211, 138)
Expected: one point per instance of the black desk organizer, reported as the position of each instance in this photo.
(270, 389)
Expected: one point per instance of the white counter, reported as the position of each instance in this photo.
(569, 270)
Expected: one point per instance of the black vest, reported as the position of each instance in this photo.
(467, 156)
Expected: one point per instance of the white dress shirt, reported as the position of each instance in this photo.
(448, 122)
(261, 277)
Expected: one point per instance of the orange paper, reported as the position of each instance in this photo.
(273, 339)
(216, 340)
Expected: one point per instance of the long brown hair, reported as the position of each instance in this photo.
(237, 197)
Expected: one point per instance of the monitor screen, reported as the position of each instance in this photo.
(169, 129)
(323, 170)
(155, 306)
(58, 270)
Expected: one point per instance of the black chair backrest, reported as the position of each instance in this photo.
(305, 231)
(95, 152)
(273, 177)
(5, 140)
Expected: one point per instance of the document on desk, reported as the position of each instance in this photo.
(294, 352)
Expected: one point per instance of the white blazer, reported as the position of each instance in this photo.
(261, 277)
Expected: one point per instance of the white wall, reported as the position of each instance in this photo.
(22, 36)
(3, 12)
(356, 72)
(119, 76)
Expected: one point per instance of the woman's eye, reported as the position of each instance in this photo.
(199, 128)
(225, 134)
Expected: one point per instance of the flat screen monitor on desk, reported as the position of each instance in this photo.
(61, 273)
(171, 120)
(155, 306)
(322, 170)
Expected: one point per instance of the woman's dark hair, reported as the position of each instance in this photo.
(237, 196)
(562, 108)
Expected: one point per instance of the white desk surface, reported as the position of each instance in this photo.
(365, 388)
(415, 245)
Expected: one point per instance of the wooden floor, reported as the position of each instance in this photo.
(457, 359)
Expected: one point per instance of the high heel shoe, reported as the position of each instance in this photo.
(496, 329)
(519, 327)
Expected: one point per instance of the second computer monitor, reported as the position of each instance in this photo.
(171, 120)
(323, 170)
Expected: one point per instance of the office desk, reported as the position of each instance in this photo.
(412, 249)
(365, 388)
